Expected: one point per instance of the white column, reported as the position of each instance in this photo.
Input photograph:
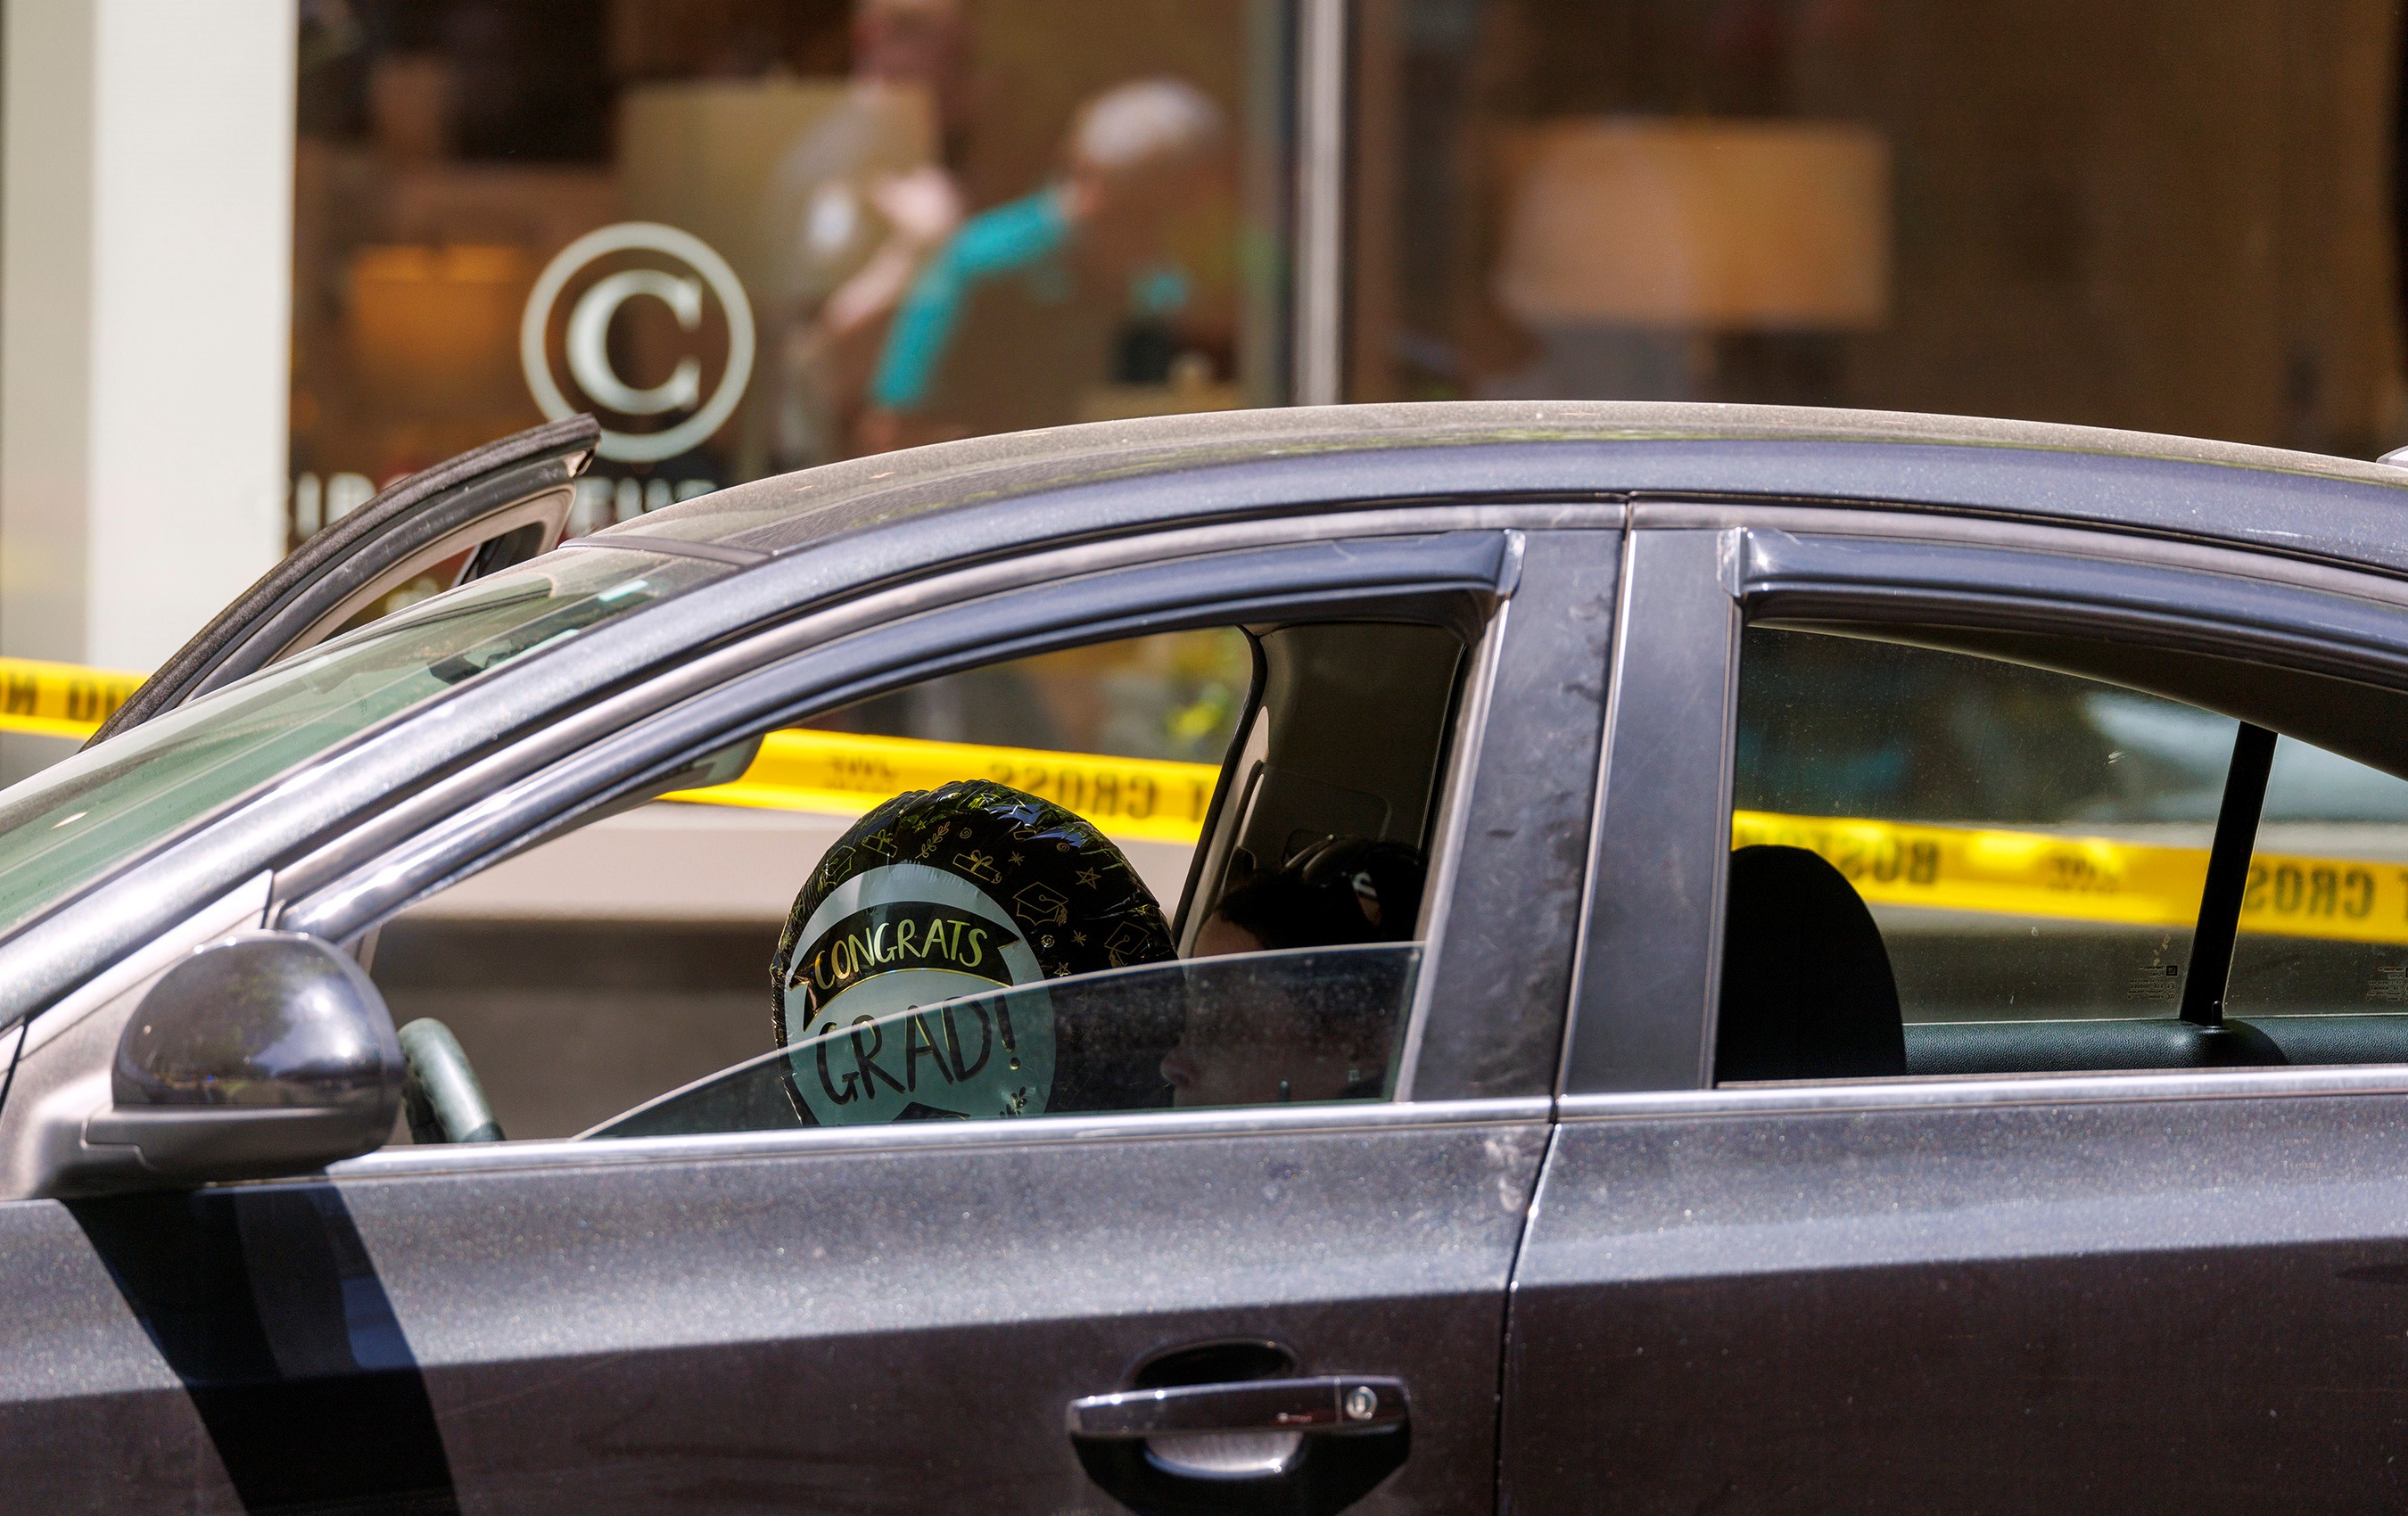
(144, 306)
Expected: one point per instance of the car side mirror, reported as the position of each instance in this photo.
(266, 1053)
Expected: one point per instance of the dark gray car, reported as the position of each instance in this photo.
(2013, 1121)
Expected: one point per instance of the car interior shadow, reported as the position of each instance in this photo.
(265, 1303)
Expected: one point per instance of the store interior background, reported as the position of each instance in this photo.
(2168, 217)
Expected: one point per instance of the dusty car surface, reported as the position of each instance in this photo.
(1897, 999)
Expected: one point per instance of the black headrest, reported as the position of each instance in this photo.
(1807, 988)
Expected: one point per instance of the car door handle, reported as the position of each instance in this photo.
(1330, 1403)
(1293, 1447)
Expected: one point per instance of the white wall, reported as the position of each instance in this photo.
(145, 306)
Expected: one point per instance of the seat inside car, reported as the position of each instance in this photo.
(1807, 991)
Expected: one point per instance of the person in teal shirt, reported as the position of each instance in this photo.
(1047, 287)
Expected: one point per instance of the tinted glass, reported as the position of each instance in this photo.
(2324, 923)
(79, 819)
(1297, 1027)
(2030, 844)
(1039, 859)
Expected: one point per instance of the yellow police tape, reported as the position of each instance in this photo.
(1997, 872)
(848, 774)
(59, 699)
(1980, 870)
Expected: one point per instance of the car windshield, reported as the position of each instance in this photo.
(82, 817)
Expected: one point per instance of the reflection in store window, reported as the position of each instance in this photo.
(759, 234)
(2088, 214)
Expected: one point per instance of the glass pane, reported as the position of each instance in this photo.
(627, 957)
(1911, 205)
(1177, 695)
(2324, 923)
(754, 237)
(78, 818)
(2030, 844)
(1302, 1026)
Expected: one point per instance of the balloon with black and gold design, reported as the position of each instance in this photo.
(936, 895)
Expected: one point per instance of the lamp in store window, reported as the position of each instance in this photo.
(1698, 226)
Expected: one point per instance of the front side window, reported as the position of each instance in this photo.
(1175, 871)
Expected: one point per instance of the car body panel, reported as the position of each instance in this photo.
(2150, 1297)
(876, 1320)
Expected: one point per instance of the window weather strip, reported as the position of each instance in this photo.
(2228, 876)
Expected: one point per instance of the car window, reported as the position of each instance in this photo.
(1947, 863)
(1304, 1026)
(2024, 838)
(2324, 917)
(79, 819)
(1183, 869)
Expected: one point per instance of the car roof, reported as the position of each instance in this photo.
(1119, 475)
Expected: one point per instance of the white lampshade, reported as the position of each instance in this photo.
(1699, 224)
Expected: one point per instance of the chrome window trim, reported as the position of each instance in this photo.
(1983, 1091)
(1350, 1117)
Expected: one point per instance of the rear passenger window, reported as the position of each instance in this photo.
(2030, 843)
(1951, 864)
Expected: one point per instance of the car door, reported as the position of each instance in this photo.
(904, 1318)
(2045, 1282)
(482, 511)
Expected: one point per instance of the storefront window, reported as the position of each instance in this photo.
(2171, 217)
(751, 235)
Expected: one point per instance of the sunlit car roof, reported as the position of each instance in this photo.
(1235, 461)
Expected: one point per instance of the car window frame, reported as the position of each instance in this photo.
(593, 761)
(473, 503)
(1643, 1042)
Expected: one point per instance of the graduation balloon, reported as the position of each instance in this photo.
(937, 895)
